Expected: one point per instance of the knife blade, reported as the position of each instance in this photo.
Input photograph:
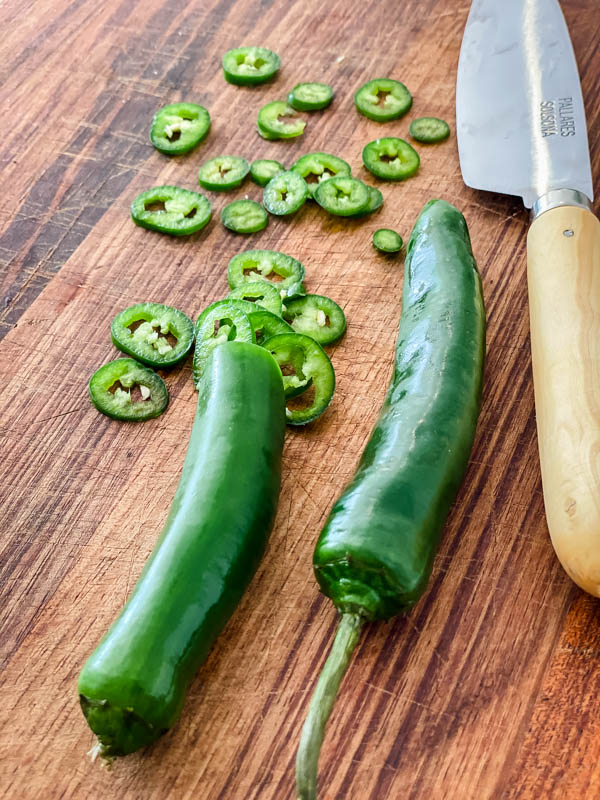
(521, 130)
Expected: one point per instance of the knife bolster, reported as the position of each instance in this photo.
(559, 197)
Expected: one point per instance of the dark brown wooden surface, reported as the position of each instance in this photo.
(490, 688)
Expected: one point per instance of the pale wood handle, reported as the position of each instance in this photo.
(563, 272)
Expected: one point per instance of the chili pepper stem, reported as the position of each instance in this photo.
(307, 760)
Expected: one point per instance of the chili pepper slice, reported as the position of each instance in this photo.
(247, 66)
(285, 193)
(375, 201)
(317, 167)
(155, 334)
(316, 316)
(111, 388)
(265, 324)
(260, 293)
(169, 209)
(342, 195)
(302, 359)
(383, 99)
(177, 128)
(283, 271)
(222, 173)
(387, 240)
(244, 216)
(223, 321)
(279, 120)
(391, 159)
(263, 169)
(429, 130)
(310, 96)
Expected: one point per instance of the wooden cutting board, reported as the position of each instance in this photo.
(490, 688)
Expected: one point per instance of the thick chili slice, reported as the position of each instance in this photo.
(263, 169)
(244, 216)
(343, 196)
(310, 96)
(169, 209)
(391, 159)
(316, 316)
(278, 120)
(387, 240)
(223, 321)
(383, 99)
(155, 334)
(179, 127)
(305, 364)
(429, 130)
(260, 293)
(283, 271)
(222, 173)
(126, 390)
(285, 193)
(317, 167)
(247, 66)
(265, 324)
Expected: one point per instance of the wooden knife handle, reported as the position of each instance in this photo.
(563, 273)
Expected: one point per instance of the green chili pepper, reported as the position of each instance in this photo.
(343, 196)
(111, 389)
(317, 167)
(391, 159)
(285, 194)
(260, 293)
(375, 201)
(157, 335)
(278, 120)
(383, 99)
(244, 216)
(169, 209)
(223, 173)
(310, 96)
(387, 241)
(223, 321)
(263, 169)
(316, 316)
(248, 66)
(179, 127)
(429, 130)
(265, 324)
(133, 686)
(284, 272)
(375, 553)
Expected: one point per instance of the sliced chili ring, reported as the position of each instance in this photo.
(169, 209)
(155, 334)
(178, 127)
(280, 270)
(285, 193)
(396, 99)
(391, 159)
(343, 195)
(310, 96)
(222, 173)
(273, 123)
(263, 169)
(244, 216)
(387, 241)
(429, 130)
(265, 324)
(260, 293)
(303, 362)
(248, 66)
(316, 316)
(317, 167)
(223, 321)
(375, 201)
(112, 385)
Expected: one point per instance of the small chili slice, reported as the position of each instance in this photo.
(375, 201)
(383, 99)
(303, 361)
(285, 193)
(260, 293)
(391, 159)
(222, 173)
(317, 167)
(279, 120)
(265, 324)
(155, 334)
(280, 270)
(263, 169)
(342, 195)
(169, 209)
(310, 96)
(387, 240)
(247, 66)
(223, 321)
(244, 216)
(179, 127)
(112, 386)
(429, 130)
(316, 316)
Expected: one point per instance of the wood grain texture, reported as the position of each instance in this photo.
(489, 688)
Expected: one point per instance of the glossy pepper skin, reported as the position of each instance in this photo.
(133, 686)
(375, 553)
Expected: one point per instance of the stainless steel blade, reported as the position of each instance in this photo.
(520, 117)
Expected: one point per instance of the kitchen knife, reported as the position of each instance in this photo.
(521, 131)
